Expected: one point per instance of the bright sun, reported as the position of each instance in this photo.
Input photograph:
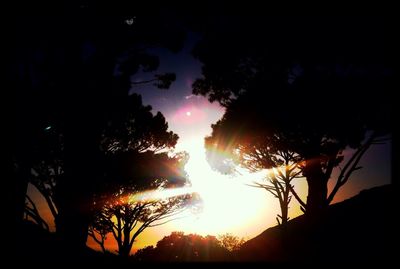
(188, 113)
(228, 204)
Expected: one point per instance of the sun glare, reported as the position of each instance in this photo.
(149, 196)
(188, 113)
(228, 204)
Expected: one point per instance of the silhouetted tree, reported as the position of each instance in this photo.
(145, 254)
(279, 185)
(100, 227)
(317, 97)
(133, 128)
(179, 247)
(32, 213)
(151, 191)
(256, 153)
(44, 178)
(231, 242)
(130, 141)
(46, 170)
(70, 71)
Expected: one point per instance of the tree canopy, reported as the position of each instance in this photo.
(178, 247)
(77, 61)
(140, 193)
(294, 85)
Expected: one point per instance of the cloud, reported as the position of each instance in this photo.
(189, 96)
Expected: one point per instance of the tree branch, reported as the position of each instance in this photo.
(331, 165)
(34, 214)
(350, 167)
(44, 192)
(136, 234)
(92, 234)
(268, 188)
(297, 196)
(143, 81)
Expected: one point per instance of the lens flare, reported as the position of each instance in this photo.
(155, 195)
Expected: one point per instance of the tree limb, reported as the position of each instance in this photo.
(34, 214)
(143, 81)
(297, 196)
(350, 167)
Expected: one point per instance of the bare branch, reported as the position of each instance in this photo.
(34, 214)
(331, 165)
(98, 241)
(143, 81)
(297, 196)
(158, 224)
(350, 167)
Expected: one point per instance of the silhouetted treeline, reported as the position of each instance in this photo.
(179, 247)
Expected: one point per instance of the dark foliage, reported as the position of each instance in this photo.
(71, 71)
(179, 247)
(306, 85)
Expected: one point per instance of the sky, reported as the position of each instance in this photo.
(230, 206)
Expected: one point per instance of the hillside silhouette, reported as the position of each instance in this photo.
(359, 229)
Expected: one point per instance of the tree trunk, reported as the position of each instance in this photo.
(284, 212)
(285, 206)
(124, 251)
(74, 191)
(317, 189)
(103, 248)
(21, 186)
